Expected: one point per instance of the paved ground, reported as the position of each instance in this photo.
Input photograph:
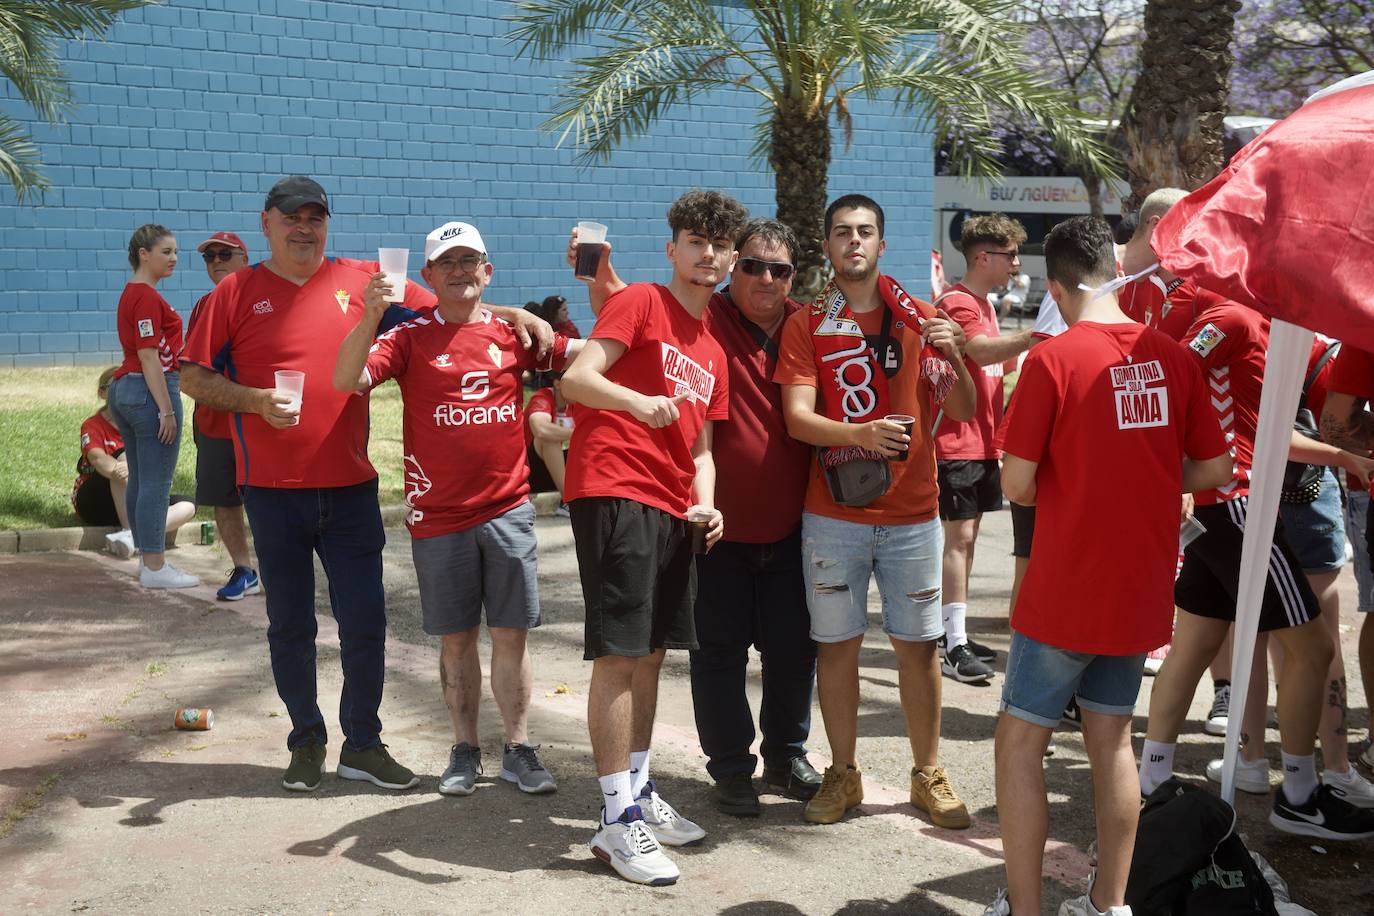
(107, 809)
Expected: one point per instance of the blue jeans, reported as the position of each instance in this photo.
(841, 557)
(343, 525)
(1356, 528)
(752, 595)
(151, 464)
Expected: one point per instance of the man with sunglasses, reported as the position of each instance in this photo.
(224, 253)
(470, 518)
(965, 454)
(307, 484)
(750, 586)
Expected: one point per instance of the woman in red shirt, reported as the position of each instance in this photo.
(102, 475)
(145, 400)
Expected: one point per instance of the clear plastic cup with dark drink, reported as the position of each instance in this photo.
(589, 245)
(907, 423)
(698, 523)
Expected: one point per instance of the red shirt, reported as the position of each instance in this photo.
(755, 441)
(255, 323)
(668, 352)
(1170, 307)
(1351, 372)
(146, 320)
(975, 439)
(96, 432)
(1108, 412)
(1231, 340)
(461, 391)
(208, 422)
(568, 329)
(544, 401)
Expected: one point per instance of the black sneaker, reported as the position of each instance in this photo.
(1072, 714)
(306, 769)
(961, 664)
(735, 795)
(1323, 815)
(981, 652)
(797, 779)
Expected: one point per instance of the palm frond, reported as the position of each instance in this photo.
(19, 160)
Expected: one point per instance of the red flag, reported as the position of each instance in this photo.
(1288, 227)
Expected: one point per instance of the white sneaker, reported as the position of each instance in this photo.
(166, 577)
(628, 845)
(1251, 775)
(1350, 787)
(999, 907)
(671, 828)
(121, 544)
(1083, 906)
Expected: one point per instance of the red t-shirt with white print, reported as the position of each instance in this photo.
(973, 439)
(668, 352)
(144, 321)
(462, 415)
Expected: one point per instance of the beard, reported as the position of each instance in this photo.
(857, 272)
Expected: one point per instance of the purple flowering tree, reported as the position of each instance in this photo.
(1288, 49)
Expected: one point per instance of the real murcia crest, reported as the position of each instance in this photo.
(341, 296)
(495, 353)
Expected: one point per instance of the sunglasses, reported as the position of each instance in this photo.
(755, 267)
(221, 254)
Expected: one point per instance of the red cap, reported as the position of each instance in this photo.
(223, 238)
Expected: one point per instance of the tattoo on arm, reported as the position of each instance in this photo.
(1354, 433)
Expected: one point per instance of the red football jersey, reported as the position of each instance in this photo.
(544, 401)
(96, 432)
(1108, 412)
(255, 323)
(1231, 340)
(461, 391)
(974, 439)
(668, 353)
(146, 320)
(1170, 307)
(208, 422)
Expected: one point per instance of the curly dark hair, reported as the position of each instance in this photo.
(772, 232)
(710, 213)
(1079, 250)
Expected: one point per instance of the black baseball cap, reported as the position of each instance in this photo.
(294, 192)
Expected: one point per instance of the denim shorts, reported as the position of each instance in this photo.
(1314, 530)
(1356, 531)
(1041, 679)
(841, 557)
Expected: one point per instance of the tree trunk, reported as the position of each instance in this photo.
(1093, 185)
(1173, 128)
(800, 157)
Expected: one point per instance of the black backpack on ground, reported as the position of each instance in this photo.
(1189, 861)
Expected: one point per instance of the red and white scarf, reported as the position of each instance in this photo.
(853, 385)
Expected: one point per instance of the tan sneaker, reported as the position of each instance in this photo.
(933, 794)
(841, 788)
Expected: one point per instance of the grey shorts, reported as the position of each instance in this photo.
(491, 565)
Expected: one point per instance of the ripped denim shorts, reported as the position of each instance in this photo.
(840, 558)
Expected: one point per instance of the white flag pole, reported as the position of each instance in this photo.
(1284, 370)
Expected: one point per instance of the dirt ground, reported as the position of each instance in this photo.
(107, 809)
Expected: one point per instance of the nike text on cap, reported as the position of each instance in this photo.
(223, 238)
(294, 192)
(453, 235)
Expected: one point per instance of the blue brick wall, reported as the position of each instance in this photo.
(411, 113)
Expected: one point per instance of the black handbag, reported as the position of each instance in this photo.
(1302, 483)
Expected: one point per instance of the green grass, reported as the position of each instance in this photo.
(41, 411)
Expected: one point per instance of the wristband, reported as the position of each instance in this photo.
(163, 416)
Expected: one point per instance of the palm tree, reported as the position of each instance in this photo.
(952, 61)
(29, 31)
(1173, 126)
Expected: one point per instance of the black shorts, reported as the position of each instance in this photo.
(968, 488)
(639, 580)
(1207, 584)
(216, 474)
(1022, 529)
(94, 504)
(541, 481)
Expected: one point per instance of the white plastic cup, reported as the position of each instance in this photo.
(1189, 531)
(590, 237)
(393, 262)
(289, 381)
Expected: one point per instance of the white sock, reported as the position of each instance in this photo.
(956, 629)
(1156, 764)
(1299, 777)
(639, 772)
(615, 794)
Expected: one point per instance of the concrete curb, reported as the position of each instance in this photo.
(90, 537)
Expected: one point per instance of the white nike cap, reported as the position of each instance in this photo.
(453, 235)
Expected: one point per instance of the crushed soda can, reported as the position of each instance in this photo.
(189, 718)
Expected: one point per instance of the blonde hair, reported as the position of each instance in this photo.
(1157, 203)
(990, 229)
(104, 381)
